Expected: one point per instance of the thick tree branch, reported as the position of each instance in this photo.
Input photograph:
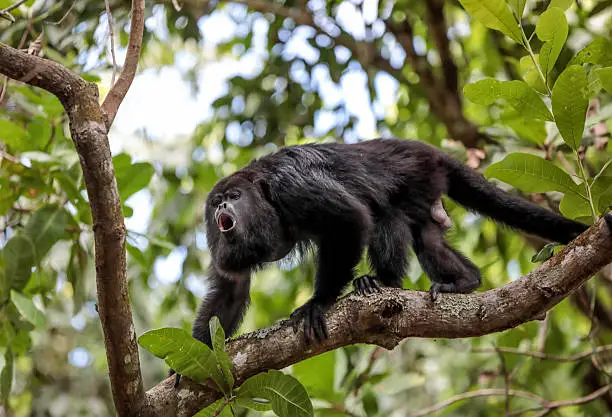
(115, 96)
(88, 130)
(387, 318)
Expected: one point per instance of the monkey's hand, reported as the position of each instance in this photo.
(366, 285)
(313, 313)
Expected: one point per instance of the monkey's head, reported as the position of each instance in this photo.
(242, 227)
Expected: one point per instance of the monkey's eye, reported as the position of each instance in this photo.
(215, 201)
(234, 195)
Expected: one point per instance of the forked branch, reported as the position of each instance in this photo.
(115, 96)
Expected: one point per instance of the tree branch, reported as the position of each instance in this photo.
(386, 318)
(115, 96)
(88, 130)
(436, 22)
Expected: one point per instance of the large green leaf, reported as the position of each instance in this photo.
(219, 408)
(532, 174)
(570, 104)
(494, 14)
(28, 310)
(287, 396)
(552, 29)
(183, 353)
(605, 76)
(218, 341)
(517, 93)
(257, 404)
(131, 178)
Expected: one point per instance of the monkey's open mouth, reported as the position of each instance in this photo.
(225, 222)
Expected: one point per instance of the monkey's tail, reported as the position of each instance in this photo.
(474, 192)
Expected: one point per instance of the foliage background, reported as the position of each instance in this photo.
(220, 84)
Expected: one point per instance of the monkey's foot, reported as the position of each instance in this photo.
(313, 314)
(366, 285)
(177, 377)
(437, 288)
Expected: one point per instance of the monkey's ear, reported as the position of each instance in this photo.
(263, 187)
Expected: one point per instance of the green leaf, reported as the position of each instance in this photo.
(6, 376)
(183, 353)
(545, 253)
(287, 396)
(570, 104)
(19, 257)
(317, 374)
(494, 14)
(561, 4)
(28, 310)
(257, 404)
(46, 227)
(218, 341)
(518, 6)
(530, 73)
(605, 76)
(13, 135)
(574, 207)
(75, 272)
(599, 51)
(552, 29)
(213, 409)
(528, 129)
(517, 93)
(532, 174)
(370, 402)
(131, 178)
(28, 247)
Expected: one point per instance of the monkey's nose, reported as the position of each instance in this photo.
(223, 205)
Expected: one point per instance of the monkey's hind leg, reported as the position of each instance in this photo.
(448, 269)
(387, 252)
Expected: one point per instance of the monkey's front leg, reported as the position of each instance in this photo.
(337, 258)
(228, 299)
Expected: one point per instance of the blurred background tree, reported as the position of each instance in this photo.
(221, 83)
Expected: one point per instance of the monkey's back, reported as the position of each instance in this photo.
(383, 173)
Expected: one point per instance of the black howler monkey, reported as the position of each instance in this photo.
(382, 194)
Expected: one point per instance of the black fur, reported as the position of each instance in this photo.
(343, 198)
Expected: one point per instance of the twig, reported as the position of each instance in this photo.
(553, 405)
(6, 12)
(8, 157)
(491, 392)
(504, 370)
(115, 96)
(21, 43)
(112, 41)
(545, 356)
(436, 22)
